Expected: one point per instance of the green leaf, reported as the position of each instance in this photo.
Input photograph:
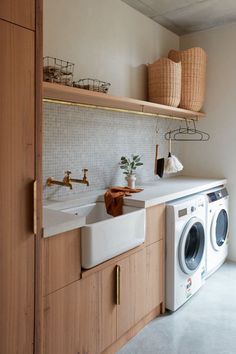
(135, 157)
(123, 158)
(139, 164)
(123, 167)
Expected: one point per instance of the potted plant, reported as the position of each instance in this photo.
(129, 165)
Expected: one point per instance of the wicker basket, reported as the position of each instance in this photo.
(164, 82)
(193, 77)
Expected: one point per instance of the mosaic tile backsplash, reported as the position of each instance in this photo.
(77, 138)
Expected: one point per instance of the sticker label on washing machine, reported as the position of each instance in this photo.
(189, 287)
(203, 273)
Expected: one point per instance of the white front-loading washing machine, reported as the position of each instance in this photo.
(185, 249)
(217, 229)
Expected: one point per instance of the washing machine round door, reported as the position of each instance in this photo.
(192, 245)
(219, 229)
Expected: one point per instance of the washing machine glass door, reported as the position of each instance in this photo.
(219, 229)
(192, 245)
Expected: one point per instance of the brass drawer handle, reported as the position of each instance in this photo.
(117, 285)
(35, 207)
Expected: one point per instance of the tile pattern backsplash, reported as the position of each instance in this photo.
(77, 138)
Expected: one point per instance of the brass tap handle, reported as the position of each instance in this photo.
(85, 170)
(67, 173)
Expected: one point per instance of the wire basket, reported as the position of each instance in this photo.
(92, 85)
(58, 71)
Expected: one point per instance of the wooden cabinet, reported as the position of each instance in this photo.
(17, 153)
(84, 317)
(20, 12)
(61, 260)
(110, 303)
(155, 223)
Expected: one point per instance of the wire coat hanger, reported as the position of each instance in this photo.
(187, 133)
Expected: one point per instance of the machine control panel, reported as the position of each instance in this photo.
(217, 195)
(182, 212)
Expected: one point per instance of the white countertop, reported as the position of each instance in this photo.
(161, 191)
(56, 222)
(170, 189)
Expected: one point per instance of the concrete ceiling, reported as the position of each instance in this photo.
(186, 16)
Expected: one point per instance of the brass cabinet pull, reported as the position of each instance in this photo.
(117, 285)
(35, 208)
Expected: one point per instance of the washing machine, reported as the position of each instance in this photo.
(217, 226)
(185, 249)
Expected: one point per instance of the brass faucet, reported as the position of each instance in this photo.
(66, 182)
(84, 180)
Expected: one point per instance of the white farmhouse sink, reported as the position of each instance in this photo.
(104, 236)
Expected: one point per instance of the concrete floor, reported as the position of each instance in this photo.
(206, 324)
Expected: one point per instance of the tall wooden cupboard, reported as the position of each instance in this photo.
(19, 111)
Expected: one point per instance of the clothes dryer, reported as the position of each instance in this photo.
(217, 226)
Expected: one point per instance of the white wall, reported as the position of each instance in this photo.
(106, 39)
(110, 41)
(216, 158)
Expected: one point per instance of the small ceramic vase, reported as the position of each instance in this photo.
(131, 181)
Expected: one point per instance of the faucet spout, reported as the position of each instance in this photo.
(84, 180)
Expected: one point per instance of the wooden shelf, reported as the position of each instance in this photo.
(76, 96)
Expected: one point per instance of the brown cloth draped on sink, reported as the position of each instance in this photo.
(114, 199)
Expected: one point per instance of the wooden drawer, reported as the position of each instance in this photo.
(61, 260)
(155, 223)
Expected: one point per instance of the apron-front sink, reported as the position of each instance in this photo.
(104, 236)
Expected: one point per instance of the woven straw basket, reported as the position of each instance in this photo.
(164, 82)
(193, 76)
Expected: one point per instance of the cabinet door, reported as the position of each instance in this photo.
(107, 307)
(20, 12)
(16, 189)
(155, 223)
(62, 321)
(155, 277)
(97, 311)
(132, 291)
(81, 317)
(61, 260)
(89, 315)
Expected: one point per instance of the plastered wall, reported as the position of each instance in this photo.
(216, 158)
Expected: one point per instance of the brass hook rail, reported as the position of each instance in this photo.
(84, 105)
